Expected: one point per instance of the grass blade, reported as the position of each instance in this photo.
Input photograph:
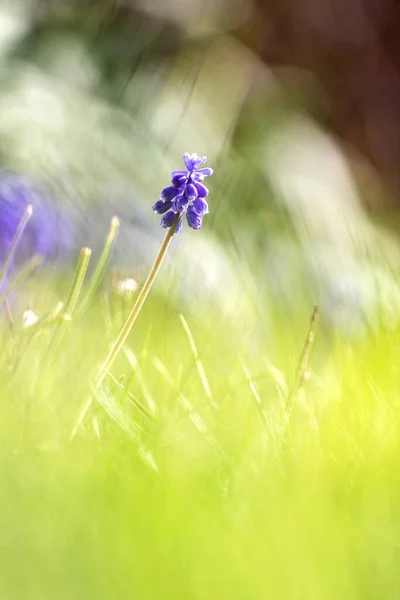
(101, 265)
(199, 364)
(8, 261)
(73, 296)
(77, 284)
(301, 372)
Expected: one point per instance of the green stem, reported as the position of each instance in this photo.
(101, 265)
(80, 274)
(127, 327)
(74, 293)
(25, 271)
(14, 244)
(301, 373)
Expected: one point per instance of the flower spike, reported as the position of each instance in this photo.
(186, 194)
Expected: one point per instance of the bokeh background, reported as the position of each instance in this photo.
(295, 104)
(217, 461)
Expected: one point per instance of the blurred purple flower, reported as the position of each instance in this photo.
(47, 233)
(186, 194)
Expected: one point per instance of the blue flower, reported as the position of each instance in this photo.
(48, 233)
(186, 194)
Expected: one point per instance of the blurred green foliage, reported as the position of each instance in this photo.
(191, 483)
(189, 478)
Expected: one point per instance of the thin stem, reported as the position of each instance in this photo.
(199, 364)
(14, 244)
(127, 327)
(25, 271)
(9, 314)
(76, 288)
(101, 265)
(73, 296)
(301, 372)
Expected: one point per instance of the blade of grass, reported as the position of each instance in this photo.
(127, 327)
(8, 261)
(199, 364)
(24, 273)
(132, 399)
(99, 271)
(301, 372)
(73, 296)
(133, 361)
(254, 393)
(77, 284)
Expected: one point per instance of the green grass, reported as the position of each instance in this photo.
(189, 479)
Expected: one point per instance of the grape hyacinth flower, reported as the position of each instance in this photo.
(186, 194)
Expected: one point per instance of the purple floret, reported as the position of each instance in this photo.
(186, 194)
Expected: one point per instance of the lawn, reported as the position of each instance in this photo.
(206, 467)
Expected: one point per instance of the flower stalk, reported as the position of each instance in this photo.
(186, 195)
(127, 327)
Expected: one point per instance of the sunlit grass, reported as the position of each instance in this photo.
(189, 479)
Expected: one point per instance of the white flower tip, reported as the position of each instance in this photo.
(114, 223)
(29, 318)
(126, 286)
